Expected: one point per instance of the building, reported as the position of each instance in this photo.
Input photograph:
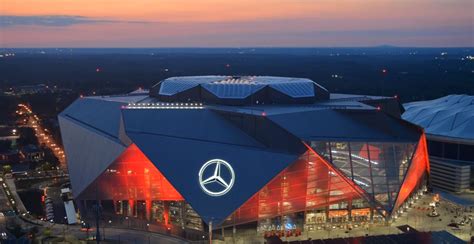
(449, 127)
(29, 90)
(31, 153)
(280, 153)
(8, 157)
(8, 133)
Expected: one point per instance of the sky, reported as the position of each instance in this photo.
(237, 23)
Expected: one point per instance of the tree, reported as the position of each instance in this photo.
(50, 157)
(46, 166)
(47, 232)
(27, 137)
(7, 169)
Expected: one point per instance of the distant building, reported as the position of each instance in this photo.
(20, 168)
(280, 152)
(9, 157)
(32, 153)
(29, 89)
(8, 133)
(449, 127)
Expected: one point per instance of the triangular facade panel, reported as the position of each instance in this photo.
(308, 183)
(89, 152)
(131, 177)
(180, 161)
(419, 166)
(98, 114)
(377, 168)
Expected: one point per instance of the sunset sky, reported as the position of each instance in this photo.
(238, 23)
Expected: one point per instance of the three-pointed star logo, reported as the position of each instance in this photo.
(218, 165)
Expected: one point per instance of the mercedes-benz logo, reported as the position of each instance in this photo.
(218, 183)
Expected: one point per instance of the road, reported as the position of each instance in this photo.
(42, 134)
(122, 235)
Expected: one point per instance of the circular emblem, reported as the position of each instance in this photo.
(216, 177)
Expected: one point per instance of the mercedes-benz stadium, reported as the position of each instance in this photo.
(270, 152)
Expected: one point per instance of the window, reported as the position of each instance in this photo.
(435, 148)
(466, 152)
(451, 150)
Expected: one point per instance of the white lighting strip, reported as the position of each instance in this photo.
(164, 106)
(355, 156)
(360, 182)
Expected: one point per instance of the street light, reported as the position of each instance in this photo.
(128, 221)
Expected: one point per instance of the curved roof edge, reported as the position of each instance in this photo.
(451, 116)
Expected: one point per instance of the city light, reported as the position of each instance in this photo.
(33, 121)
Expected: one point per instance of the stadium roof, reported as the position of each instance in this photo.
(449, 116)
(236, 90)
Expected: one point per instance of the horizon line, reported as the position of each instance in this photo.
(243, 47)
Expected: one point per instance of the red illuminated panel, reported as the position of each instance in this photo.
(131, 177)
(419, 165)
(425, 152)
(309, 183)
(374, 152)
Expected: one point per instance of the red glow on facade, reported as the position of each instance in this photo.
(132, 177)
(374, 152)
(166, 214)
(425, 152)
(131, 204)
(419, 166)
(308, 183)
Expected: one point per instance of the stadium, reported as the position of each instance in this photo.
(271, 152)
(449, 126)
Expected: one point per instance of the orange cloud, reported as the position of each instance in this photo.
(241, 22)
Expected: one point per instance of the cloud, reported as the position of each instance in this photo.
(54, 20)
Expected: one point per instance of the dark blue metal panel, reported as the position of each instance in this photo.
(348, 125)
(101, 115)
(180, 141)
(265, 131)
(195, 124)
(181, 159)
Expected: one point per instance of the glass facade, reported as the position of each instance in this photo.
(133, 187)
(132, 176)
(378, 168)
(332, 182)
(310, 183)
(416, 174)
